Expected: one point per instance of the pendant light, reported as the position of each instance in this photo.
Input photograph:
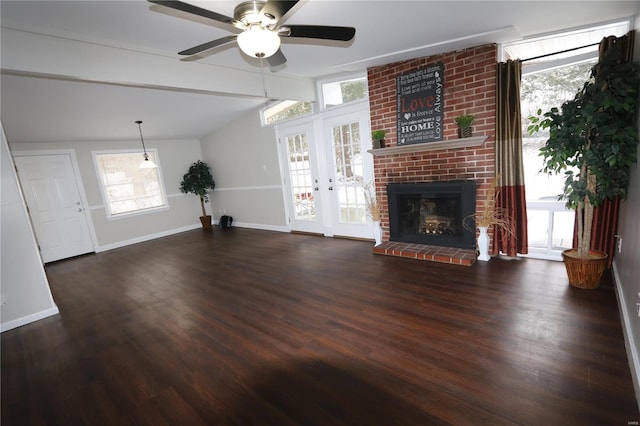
(146, 163)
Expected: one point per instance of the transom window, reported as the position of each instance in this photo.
(285, 110)
(126, 188)
(343, 91)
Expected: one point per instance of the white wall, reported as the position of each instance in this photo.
(243, 157)
(24, 289)
(174, 158)
(627, 262)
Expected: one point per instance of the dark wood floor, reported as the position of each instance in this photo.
(256, 327)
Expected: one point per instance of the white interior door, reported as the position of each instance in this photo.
(349, 169)
(55, 206)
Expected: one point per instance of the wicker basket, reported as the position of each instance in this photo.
(584, 273)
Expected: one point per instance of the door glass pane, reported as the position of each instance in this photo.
(300, 175)
(348, 173)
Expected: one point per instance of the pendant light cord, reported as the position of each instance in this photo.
(141, 138)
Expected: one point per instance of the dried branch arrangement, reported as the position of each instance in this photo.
(490, 214)
(373, 206)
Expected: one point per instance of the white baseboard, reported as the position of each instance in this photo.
(630, 343)
(10, 325)
(146, 238)
(260, 226)
(124, 243)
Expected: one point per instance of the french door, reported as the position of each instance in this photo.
(327, 168)
(349, 168)
(297, 145)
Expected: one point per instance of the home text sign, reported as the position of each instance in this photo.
(420, 105)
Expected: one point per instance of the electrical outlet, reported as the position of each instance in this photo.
(620, 244)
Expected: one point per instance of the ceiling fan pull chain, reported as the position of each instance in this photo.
(264, 86)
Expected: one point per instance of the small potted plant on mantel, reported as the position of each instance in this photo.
(198, 181)
(378, 138)
(464, 123)
(593, 140)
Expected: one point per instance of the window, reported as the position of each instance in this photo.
(127, 189)
(343, 91)
(285, 110)
(548, 81)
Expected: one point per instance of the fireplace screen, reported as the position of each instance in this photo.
(435, 216)
(432, 213)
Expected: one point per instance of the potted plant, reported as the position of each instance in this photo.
(378, 138)
(464, 122)
(593, 140)
(198, 180)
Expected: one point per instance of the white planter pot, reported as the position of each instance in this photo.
(377, 233)
(483, 244)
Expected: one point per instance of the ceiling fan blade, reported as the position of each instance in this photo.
(319, 31)
(194, 10)
(208, 45)
(277, 9)
(276, 59)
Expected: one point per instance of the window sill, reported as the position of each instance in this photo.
(429, 146)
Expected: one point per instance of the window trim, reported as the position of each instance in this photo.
(558, 63)
(103, 194)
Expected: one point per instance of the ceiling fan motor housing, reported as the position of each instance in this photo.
(249, 13)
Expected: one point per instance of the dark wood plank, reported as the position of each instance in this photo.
(256, 327)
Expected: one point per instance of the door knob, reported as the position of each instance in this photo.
(79, 209)
(316, 189)
(331, 188)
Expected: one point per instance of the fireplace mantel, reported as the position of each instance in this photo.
(429, 146)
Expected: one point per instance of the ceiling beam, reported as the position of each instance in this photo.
(30, 53)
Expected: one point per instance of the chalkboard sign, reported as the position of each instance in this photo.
(420, 105)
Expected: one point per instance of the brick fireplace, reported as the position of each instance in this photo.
(469, 88)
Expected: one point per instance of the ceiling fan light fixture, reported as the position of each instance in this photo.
(259, 42)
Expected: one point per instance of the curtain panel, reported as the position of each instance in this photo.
(605, 216)
(509, 162)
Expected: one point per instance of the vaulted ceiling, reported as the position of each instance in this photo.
(86, 70)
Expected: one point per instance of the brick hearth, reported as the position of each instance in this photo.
(451, 255)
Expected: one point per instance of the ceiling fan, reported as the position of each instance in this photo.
(258, 20)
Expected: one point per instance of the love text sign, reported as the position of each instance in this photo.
(420, 105)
